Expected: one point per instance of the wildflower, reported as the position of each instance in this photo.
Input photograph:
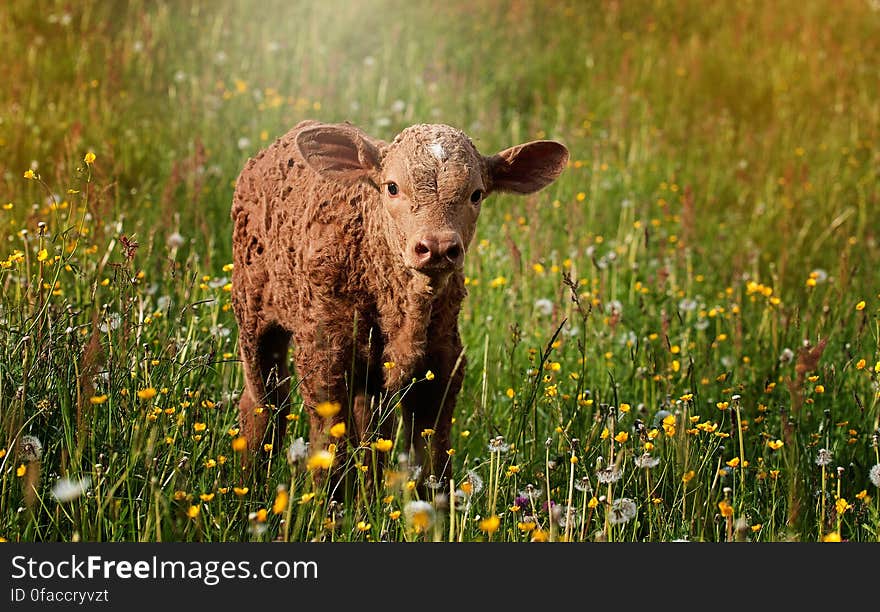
(688, 476)
(874, 475)
(841, 505)
(490, 525)
(539, 535)
(30, 449)
(175, 240)
(774, 444)
(429, 375)
(240, 491)
(623, 510)
(544, 306)
(30, 175)
(860, 364)
(608, 475)
(382, 445)
(21, 470)
(647, 460)
(67, 489)
(498, 445)
(733, 462)
(98, 399)
(419, 515)
(364, 526)
(621, 437)
(583, 484)
(297, 451)
(42, 255)
(823, 457)
(832, 537)
(725, 508)
(328, 409)
(394, 515)
(474, 482)
(192, 512)
(146, 394)
(860, 305)
(206, 497)
(89, 158)
(337, 430)
(321, 460)
(239, 444)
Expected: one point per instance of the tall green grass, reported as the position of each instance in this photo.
(701, 282)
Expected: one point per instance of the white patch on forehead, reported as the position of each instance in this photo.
(437, 151)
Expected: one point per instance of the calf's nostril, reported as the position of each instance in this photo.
(422, 249)
(453, 252)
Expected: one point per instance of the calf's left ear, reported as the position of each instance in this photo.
(339, 152)
(528, 167)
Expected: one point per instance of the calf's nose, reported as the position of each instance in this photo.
(434, 249)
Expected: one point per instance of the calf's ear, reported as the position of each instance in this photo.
(340, 152)
(528, 167)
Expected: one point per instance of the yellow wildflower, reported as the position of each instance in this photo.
(490, 524)
(280, 503)
(382, 445)
(147, 393)
(328, 409)
(321, 460)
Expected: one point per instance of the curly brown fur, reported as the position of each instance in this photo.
(358, 274)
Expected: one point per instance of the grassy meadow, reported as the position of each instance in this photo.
(679, 339)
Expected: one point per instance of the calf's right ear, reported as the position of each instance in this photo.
(340, 152)
(528, 167)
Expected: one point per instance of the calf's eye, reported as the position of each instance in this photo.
(477, 196)
(393, 190)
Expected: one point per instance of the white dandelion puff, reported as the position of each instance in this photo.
(498, 445)
(175, 240)
(298, 451)
(419, 515)
(608, 475)
(874, 475)
(67, 489)
(647, 460)
(824, 457)
(623, 510)
(30, 449)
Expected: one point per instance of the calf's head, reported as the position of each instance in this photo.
(432, 182)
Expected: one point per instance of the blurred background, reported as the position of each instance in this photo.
(768, 112)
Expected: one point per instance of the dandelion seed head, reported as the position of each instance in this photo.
(874, 475)
(419, 515)
(175, 240)
(544, 306)
(68, 489)
(30, 449)
(647, 460)
(608, 475)
(824, 457)
(298, 451)
(622, 511)
(498, 445)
